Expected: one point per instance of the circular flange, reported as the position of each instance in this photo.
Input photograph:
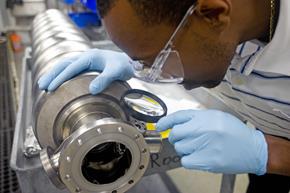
(103, 131)
(49, 105)
(48, 166)
(83, 110)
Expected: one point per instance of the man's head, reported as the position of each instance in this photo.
(152, 12)
(206, 45)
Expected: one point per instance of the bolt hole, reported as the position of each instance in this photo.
(114, 191)
(141, 167)
(137, 136)
(78, 190)
(131, 182)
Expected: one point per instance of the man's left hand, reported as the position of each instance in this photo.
(215, 141)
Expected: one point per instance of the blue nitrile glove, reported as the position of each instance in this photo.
(215, 141)
(114, 66)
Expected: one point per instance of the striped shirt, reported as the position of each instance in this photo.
(257, 84)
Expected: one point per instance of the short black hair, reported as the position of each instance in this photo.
(153, 11)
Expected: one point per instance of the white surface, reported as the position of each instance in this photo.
(175, 96)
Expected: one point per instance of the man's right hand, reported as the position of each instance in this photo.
(113, 65)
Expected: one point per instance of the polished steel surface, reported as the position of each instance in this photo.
(50, 25)
(75, 148)
(56, 39)
(58, 50)
(45, 68)
(42, 17)
(51, 33)
(50, 167)
(73, 95)
(89, 143)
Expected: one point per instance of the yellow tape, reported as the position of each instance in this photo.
(151, 100)
(164, 134)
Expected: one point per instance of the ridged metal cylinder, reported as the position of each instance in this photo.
(54, 38)
(89, 144)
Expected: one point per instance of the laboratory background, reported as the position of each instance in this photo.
(73, 142)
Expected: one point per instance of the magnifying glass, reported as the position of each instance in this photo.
(143, 105)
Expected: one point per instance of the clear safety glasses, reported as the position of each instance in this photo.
(167, 66)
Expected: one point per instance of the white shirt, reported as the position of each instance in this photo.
(257, 84)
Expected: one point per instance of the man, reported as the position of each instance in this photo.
(193, 42)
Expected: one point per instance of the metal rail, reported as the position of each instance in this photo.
(8, 180)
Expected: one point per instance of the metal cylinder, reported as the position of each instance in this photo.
(89, 144)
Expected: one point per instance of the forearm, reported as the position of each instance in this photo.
(278, 155)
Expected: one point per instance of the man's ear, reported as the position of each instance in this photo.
(215, 12)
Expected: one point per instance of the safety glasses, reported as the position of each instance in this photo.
(167, 66)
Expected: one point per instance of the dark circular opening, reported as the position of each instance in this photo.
(106, 163)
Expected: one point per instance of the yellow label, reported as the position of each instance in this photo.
(150, 100)
(164, 134)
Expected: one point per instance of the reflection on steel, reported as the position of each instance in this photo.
(88, 142)
(31, 146)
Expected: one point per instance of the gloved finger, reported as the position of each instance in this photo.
(100, 83)
(183, 147)
(184, 131)
(196, 161)
(47, 78)
(189, 145)
(104, 79)
(71, 71)
(173, 119)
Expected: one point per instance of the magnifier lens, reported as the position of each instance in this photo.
(144, 106)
